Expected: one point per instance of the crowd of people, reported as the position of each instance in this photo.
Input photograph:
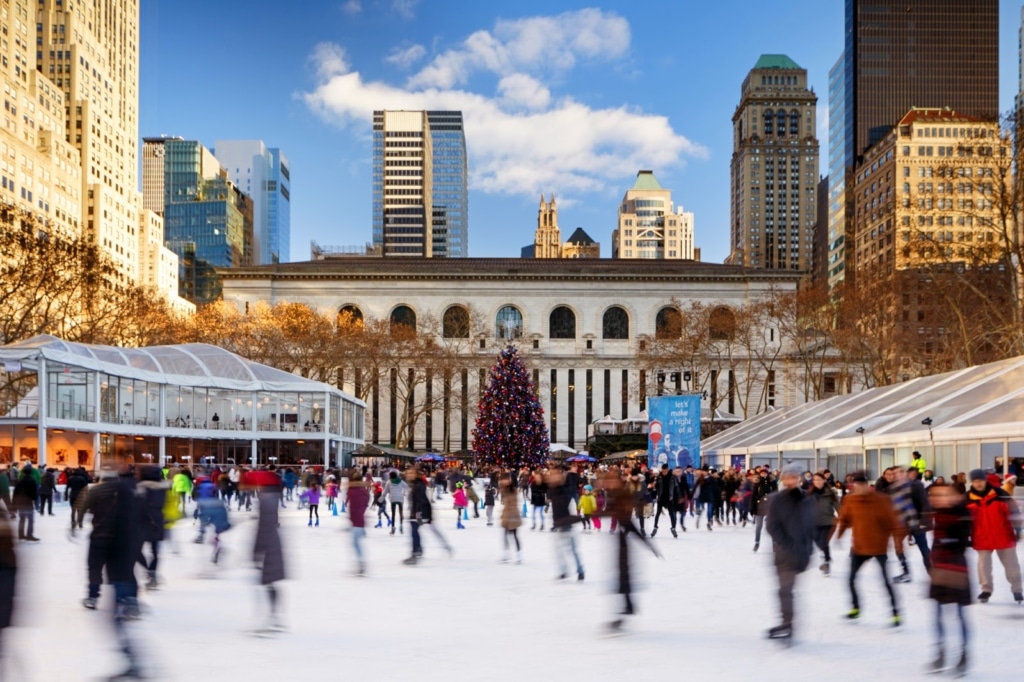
(132, 510)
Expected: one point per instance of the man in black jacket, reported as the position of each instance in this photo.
(26, 491)
(666, 489)
(759, 503)
(78, 481)
(562, 522)
(791, 527)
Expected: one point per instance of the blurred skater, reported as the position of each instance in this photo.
(562, 523)
(8, 573)
(950, 580)
(153, 490)
(267, 551)
(791, 527)
(511, 518)
(460, 502)
(620, 509)
(312, 496)
(420, 514)
(358, 501)
(379, 503)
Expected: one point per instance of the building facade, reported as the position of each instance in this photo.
(926, 202)
(583, 332)
(420, 184)
(69, 140)
(901, 54)
(649, 226)
(774, 171)
(263, 174)
(208, 220)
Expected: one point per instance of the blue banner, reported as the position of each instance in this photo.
(673, 434)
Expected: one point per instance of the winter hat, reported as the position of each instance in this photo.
(792, 469)
(977, 475)
(589, 488)
(859, 477)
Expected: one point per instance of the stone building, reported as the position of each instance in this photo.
(547, 242)
(583, 329)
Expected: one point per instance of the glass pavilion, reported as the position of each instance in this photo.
(72, 404)
(958, 421)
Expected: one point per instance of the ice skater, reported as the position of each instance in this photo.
(950, 579)
(870, 517)
(358, 501)
(562, 523)
(395, 490)
(511, 518)
(267, 551)
(460, 503)
(620, 509)
(312, 496)
(420, 514)
(791, 527)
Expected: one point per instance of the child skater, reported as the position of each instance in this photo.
(313, 497)
(588, 506)
(332, 494)
(460, 502)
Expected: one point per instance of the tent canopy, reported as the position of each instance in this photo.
(190, 364)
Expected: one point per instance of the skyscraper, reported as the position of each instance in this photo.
(774, 168)
(91, 51)
(420, 184)
(649, 225)
(208, 220)
(901, 54)
(257, 170)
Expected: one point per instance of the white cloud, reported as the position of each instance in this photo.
(532, 44)
(521, 139)
(404, 8)
(352, 7)
(520, 90)
(403, 58)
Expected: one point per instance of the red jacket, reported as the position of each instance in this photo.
(992, 511)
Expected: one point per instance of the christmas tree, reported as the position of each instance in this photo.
(510, 429)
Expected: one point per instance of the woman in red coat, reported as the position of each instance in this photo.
(994, 514)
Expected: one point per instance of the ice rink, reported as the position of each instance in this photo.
(703, 612)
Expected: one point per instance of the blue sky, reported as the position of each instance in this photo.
(564, 97)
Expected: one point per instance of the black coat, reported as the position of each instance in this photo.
(560, 517)
(47, 484)
(709, 490)
(26, 491)
(267, 552)
(419, 501)
(790, 524)
(668, 489)
(115, 520)
(153, 495)
(759, 497)
(8, 571)
(76, 483)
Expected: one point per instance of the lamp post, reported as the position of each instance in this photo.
(863, 452)
(927, 421)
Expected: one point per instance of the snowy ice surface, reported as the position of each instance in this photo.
(703, 612)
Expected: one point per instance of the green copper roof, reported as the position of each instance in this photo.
(775, 61)
(645, 180)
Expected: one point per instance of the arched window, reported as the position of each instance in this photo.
(350, 313)
(781, 125)
(403, 316)
(562, 323)
(769, 121)
(668, 324)
(721, 324)
(455, 324)
(508, 323)
(615, 324)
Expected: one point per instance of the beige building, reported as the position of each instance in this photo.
(406, 183)
(925, 194)
(547, 242)
(39, 170)
(649, 226)
(774, 168)
(68, 140)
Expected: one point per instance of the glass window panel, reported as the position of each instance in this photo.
(943, 460)
(967, 458)
(615, 324)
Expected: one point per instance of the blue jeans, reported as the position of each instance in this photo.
(921, 540)
(538, 509)
(417, 545)
(566, 544)
(357, 543)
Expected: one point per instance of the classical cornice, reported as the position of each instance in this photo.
(363, 268)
